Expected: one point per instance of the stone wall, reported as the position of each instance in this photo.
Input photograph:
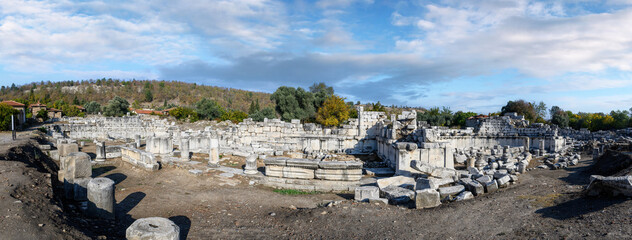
(142, 159)
(311, 174)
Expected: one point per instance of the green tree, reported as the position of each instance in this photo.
(293, 103)
(321, 93)
(149, 96)
(116, 107)
(521, 107)
(559, 117)
(333, 112)
(209, 109)
(267, 112)
(460, 118)
(5, 116)
(92, 107)
(377, 107)
(254, 107)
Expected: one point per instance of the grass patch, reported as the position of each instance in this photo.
(542, 201)
(293, 192)
(42, 129)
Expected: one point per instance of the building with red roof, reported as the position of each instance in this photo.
(21, 117)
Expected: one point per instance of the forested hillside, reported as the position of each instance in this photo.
(140, 93)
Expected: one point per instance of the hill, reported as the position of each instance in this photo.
(145, 93)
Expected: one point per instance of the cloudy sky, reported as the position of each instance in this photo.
(468, 55)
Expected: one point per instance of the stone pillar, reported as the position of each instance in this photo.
(251, 165)
(542, 151)
(74, 166)
(184, 149)
(164, 146)
(137, 140)
(101, 198)
(595, 153)
(100, 152)
(213, 158)
(361, 131)
(153, 228)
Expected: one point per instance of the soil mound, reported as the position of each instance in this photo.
(613, 163)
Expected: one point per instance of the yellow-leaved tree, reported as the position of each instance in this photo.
(333, 112)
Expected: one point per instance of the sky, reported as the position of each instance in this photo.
(466, 55)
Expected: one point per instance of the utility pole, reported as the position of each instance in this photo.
(13, 127)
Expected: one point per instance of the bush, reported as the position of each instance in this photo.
(5, 116)
(182, 113)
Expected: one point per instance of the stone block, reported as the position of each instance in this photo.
(67, 148)
(614, 186)
(491, 186)
(367, 193)
(302, 163)
(427, 198)
(474, 187)
(297, 172)
(77, 165)
(485, 179)
(451, 191)
(503, 181)
(398, 195)
(81, 189)
(399, 181)
(274, 171)
(338, 174)
(332, 165)
(276, 161)
(354, 164)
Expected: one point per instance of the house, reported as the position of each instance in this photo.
(21, 117)
(166, 111)
(36, 107)
(81, 109)
(54, 113)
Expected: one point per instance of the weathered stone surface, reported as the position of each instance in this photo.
(354, 164)
(451, 191)
(338, 174)
(438, 172)
(613, 186)
(154, 228)
(100, 151)
(398, 195)
(213, 157)
(432, 183)
(485, 179)
(101, 198)
(427, 198)
(399, 181)
(367, 193)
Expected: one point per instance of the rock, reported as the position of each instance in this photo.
(427, 198)
(451, 191)
(302, 163)
(366, 193)
(466, 195)
(154, 228)
(484, 179)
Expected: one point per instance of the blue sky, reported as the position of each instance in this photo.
(467, 55)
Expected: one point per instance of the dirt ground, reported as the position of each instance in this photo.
(546, 204)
